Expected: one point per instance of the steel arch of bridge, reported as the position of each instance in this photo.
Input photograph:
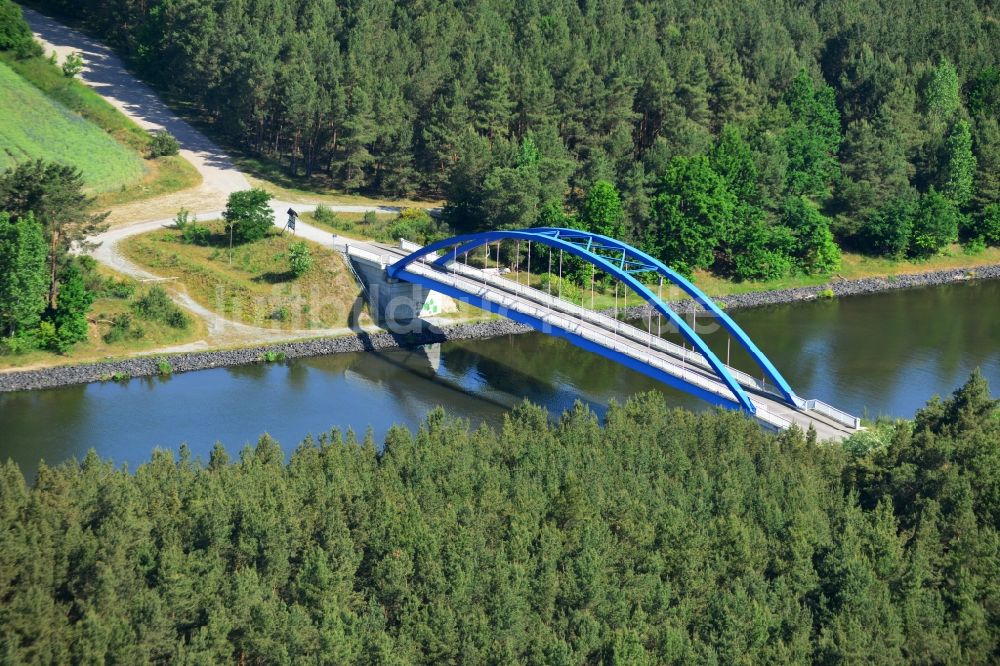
(623, 262)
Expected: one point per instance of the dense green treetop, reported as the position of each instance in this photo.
(659, 536)
(602, 210)
(15, 35)
(248, 216)
(24, 279)
(54, 195)
(851, 106)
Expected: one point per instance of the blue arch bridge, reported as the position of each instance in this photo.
(408, 273)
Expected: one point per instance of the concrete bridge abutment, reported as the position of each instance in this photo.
(395, 304)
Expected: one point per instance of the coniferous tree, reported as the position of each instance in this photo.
(24, 282)
(381, 98)
(54, 195)
(987, 160)
(959, 165)
(813, 138)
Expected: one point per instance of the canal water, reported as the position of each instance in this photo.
(881, 354)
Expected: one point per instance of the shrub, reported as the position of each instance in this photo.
(862, 443)
(974, 246)
(72, 65)
(163, 367)
(815, 251)
(564, 288)
(987, 225)
(162, 143)
(416, 225)
(299, 258)
(887, 231)
(371, 218)
(120, 288)
(47, 337)
(157, 306)
(281, 314)
(15, 34)
(934, 225)
(248, 216)
(197, 235)
(103, 286)
(122, 328)
(19, 343)
(154, 305)
(324, 215)
(177, 319)
(192, 233)
(759, 251)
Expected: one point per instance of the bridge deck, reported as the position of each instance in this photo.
(600, 329)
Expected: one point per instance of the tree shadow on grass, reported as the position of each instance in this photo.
(275, 277)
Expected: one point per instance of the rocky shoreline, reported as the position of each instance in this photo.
(145, 366)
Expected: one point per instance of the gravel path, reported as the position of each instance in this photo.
(221, 331)
(107, 75)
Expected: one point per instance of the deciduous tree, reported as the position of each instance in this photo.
(935, 224)
(959, 165)
(602, 211)
(692, 213)
(248, 216)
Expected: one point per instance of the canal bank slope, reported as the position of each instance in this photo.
(153, 365)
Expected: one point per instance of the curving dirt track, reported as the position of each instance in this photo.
(106, 74)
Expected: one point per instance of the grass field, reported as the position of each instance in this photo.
(77, 97)
(854, 267)
(353, 225)
(258, 287)
(163, 175)
(34, 126)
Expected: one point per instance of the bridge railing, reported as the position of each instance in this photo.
(837, 415)
(619, 327)
(633, 348)
(355, 251)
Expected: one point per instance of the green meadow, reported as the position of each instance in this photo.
(34, 126)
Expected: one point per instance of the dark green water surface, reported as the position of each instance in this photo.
(880, 354)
